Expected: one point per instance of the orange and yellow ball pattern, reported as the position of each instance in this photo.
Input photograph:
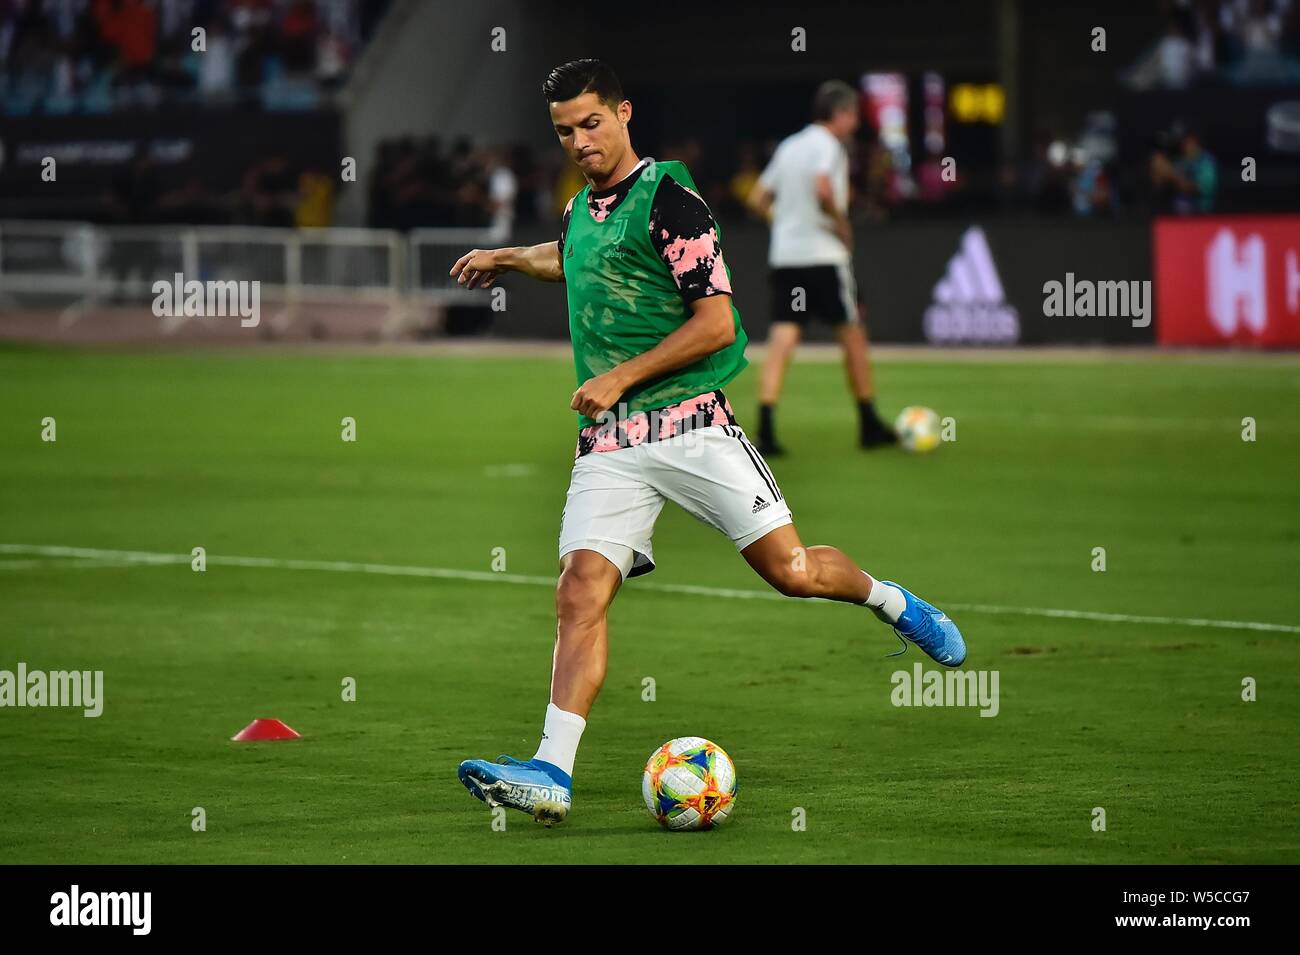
(689, 783)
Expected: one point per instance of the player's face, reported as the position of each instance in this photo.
(594, 136)
(846, 122)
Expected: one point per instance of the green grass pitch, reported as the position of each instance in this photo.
(240, 453)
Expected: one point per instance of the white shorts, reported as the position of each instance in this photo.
(713, 472)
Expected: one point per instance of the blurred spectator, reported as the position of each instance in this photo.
(1183, 176)
(130, 27)
(298, 32)
(1257, 26)
(216, 65)
(1048, 178)
(931, 185)
(1197, 177)
(743, 181)
(1207, 34)
(1175, 57)
(269, 194)
(879, 192)
(567, 184)
(531, 203)
(315, 207)
(1093, 190)
(94, 56)
(192, 204)
(1243, 41)
(503, 189)
(134, 193)
(687, 151)
(419, 184)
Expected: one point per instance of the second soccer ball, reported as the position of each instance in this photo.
(918, 429)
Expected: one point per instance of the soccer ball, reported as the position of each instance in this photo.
(918, 429)
(689, 783)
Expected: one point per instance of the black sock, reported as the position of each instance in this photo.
(766, 432)
(867, 415)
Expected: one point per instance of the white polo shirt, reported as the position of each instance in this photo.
(801, 233)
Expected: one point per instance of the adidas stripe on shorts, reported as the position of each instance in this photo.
(713, 472)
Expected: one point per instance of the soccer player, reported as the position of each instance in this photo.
(655, 339)
(804, 191)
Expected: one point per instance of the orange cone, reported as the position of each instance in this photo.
(264, 730)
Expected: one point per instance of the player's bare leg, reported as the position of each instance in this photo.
(782, 339)
(857, 360)
(543, 786)
(587, 585)
(781, 558)
(856, 347)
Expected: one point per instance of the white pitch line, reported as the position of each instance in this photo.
(486, 576)
(1103, 617)
(64, 564)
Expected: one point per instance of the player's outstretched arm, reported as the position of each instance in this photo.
(479, 268)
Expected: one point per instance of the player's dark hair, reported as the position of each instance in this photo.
(832, 96)
(572, 79)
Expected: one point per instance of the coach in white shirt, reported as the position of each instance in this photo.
(804, 193)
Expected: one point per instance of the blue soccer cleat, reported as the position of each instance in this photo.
(930, 629)
(536, 787)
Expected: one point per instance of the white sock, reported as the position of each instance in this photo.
(560, 735)
(886, 602)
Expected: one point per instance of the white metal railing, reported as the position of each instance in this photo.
(87, 262)
(432, 253)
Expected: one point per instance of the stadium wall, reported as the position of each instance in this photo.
(995, 274)
(404, 87)
(93, 153)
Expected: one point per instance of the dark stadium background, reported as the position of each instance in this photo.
(398, 87)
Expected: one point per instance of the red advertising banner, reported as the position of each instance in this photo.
(1228, 280)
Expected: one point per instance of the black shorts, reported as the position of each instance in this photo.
(829, 293)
